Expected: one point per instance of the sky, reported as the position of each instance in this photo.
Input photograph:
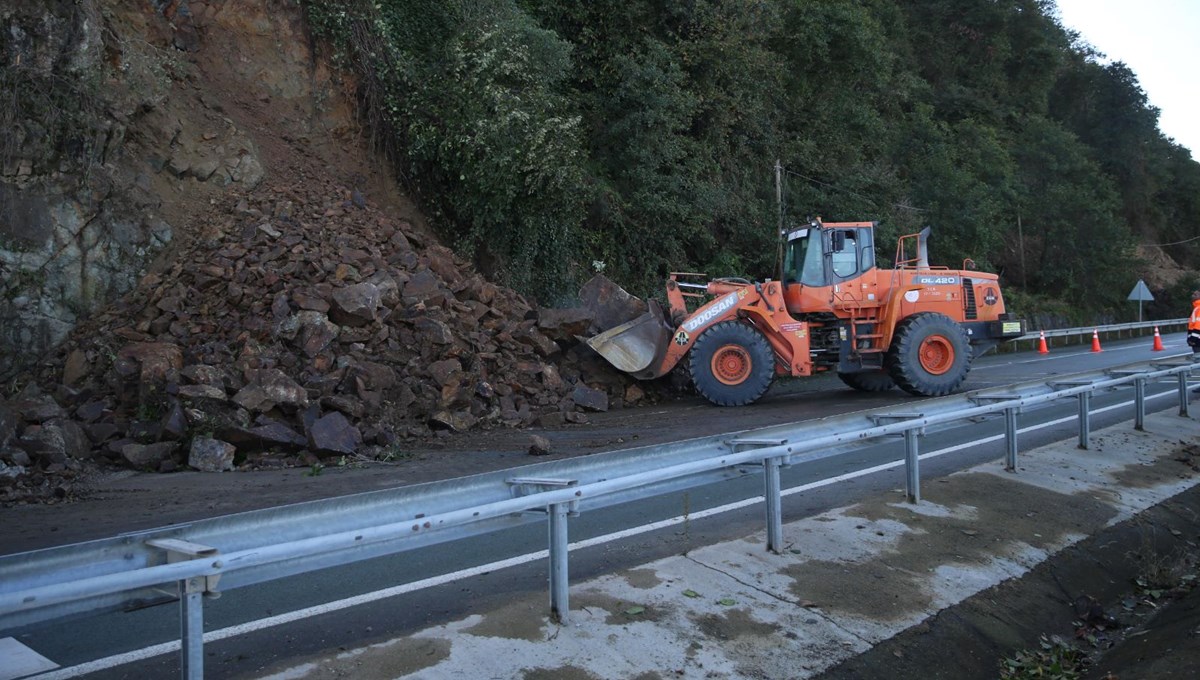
(1160, 41)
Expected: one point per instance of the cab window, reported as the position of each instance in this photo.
(803, 258)
(844, 258)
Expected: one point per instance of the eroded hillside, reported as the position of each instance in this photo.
(251, 286)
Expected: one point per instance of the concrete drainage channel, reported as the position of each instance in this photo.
(985, 563)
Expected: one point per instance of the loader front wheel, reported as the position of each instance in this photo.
(930, 355)
(732, 364)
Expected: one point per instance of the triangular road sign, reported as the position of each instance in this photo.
(1140, 292)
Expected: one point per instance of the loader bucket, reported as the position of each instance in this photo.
(638, 346)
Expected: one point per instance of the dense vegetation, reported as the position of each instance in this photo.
(549, 138)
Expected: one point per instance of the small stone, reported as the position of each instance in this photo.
(539, 446)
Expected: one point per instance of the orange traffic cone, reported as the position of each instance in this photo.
(1042, 348)
(1157, 341)
(1096, 341)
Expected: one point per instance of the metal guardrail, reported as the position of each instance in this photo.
(189, 561)
(1108, 331)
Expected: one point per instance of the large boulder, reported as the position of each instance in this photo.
(332, 434)
(609, 304)
(270, 387)
(211, 455)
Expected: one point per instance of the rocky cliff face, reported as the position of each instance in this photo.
(202, 264)
(104, 155)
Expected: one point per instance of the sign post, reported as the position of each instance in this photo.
(1142, 294)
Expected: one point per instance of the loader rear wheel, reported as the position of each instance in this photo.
(732, 364)
(869, 381)
(930, 355)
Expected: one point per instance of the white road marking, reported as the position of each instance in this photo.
(17, 660)
(434, 581)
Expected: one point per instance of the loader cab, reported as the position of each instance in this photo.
(820, 255)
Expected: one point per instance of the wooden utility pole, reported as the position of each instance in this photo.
(1021, 246)
(779, 216)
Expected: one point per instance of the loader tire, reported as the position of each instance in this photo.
(869, 381)
(930, 355)
(732, 364)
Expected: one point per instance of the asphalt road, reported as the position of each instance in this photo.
(454, 578)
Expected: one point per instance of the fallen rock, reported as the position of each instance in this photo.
(10, 473)
(268, 388)
(539, 445)
(37, 410)
(211, 455)
(198, 392)
(609, 304)
(268, 434)
(332, 434)
(75, 368)
(564, 324)
(15, 456)
(355, 305)
(457, 421)
(634, 393)
(551, 419)
(150, 362)
(149, 456)
(8, 424)
(296, 299)
(591, 399)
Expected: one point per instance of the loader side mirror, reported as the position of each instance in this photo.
(838, 241)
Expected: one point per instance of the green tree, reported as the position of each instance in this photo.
(643, 134)
(1076, 245)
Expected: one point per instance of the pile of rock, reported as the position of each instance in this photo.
(307, 325)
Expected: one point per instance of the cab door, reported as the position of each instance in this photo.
(851, 257)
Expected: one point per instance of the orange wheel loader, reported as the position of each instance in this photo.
(914, 325)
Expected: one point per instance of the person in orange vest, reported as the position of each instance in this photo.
(1193, 336)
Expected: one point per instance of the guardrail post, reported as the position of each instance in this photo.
(912, 462)
(1085, 419)
(1010, 439)
(191, 632)
(559, 604)
(191, 602)
(1183, 398)
(774, 504)
(557, 513)
(771, 488)
(1139, 403)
